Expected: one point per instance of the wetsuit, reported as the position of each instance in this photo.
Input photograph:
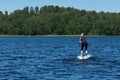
(83, 43)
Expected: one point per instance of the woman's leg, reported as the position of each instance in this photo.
(86, 52)
(81, 52)
(86, 45)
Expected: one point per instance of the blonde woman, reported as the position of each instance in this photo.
(84, 44)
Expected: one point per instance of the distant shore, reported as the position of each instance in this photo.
(53, 35)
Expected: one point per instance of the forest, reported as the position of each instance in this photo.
(55, 20)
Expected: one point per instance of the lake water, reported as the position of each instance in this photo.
(55, 58)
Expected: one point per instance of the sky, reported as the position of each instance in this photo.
(88, 5)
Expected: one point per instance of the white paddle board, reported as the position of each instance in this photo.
(84, 57)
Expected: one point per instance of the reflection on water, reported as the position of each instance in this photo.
(55, 58)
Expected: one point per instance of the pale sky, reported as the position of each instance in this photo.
(88, 5)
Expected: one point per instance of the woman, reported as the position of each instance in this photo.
(84, 44)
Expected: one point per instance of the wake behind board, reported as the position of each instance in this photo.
(84, 57)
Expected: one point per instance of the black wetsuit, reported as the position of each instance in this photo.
(83, 43)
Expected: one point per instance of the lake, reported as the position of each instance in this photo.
(55, 58)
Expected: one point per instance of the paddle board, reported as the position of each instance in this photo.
(84, 57)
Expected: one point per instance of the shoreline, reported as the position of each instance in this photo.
(51, 35)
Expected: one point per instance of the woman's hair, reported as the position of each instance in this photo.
(82, 34)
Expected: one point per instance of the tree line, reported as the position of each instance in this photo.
(55, 20)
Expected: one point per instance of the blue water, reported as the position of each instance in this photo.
(55, 58)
